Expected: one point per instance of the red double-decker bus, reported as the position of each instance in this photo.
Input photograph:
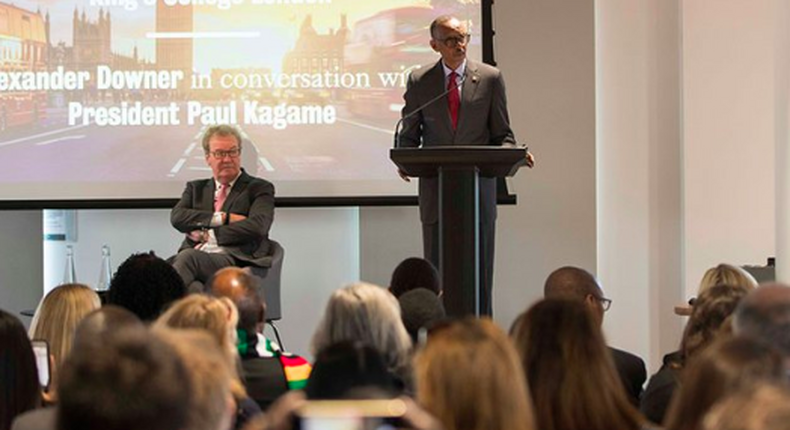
(23, 47)
(391, 42)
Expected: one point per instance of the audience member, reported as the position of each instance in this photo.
(765, 315)
(469, 377)
(710, 318)
(413, 273)
(569, 371)
(19, 385)
(267, 371)
(95, 328)
(145, 284)
(369, 314)
(763, 407)
(420, 309)
(57, 317)
(577, 284)
(130, 381)
(102, 323)
(723, 274)
(211, 404)
(218, 317)
(722, 368)
(349, 370)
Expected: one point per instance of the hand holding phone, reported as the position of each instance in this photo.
(41, 351)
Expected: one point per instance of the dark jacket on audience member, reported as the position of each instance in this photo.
(660, 388)
(632, 372)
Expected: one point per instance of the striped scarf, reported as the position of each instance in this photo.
(254, 345)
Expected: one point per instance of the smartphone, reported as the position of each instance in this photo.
(41, 350)
(351, 415)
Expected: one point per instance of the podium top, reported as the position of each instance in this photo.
(490, 161)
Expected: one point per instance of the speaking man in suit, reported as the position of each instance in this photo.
(474, 113)
(226, 218)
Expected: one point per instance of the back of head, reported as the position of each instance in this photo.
(414, 273)
(19, 387)
(570, 283)
(765, 315)
(240, 286)
(710, 317)
(145, 284)
(724, 367)
(133, 380)
(58, 315)
(369, 314)
(726, 274)
(210, 375)
(420, 308)
(102, 323)
(216, 316)
(569, 369)
(761, 407)
(346, 369)
(469, 377)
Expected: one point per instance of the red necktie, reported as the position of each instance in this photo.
(453, 99)
(222, 195)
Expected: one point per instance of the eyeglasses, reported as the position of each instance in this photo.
(232, 153)
(453, 41)
(605, 303)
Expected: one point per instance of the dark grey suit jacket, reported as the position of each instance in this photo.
(247, 241)
(482, 120)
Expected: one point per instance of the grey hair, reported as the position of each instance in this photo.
(769, 323)
(369, 314)
(220, 130)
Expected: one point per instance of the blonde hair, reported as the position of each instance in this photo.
(470, 378)
(369, 314)
(217, 316)
(58, 315)
(726, 274)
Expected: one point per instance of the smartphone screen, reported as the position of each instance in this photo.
(351, 415)
(41, 350)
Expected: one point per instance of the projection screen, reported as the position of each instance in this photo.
(107, 99)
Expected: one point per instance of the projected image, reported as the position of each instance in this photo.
(107, 99)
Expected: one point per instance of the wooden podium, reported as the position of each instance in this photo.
(458, 169)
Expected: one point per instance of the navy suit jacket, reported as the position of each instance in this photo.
(248, 240)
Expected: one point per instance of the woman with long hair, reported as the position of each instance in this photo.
(469, 377)
(57, 317)
(711, 317)
(570, 373)
(19, 386)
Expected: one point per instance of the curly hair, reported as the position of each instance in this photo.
(145, 284)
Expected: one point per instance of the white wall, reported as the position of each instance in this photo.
(638, 172)
(729, 66)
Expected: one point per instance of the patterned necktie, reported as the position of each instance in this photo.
(453, 98)
(219, 200)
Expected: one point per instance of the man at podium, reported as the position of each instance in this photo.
(473, 111)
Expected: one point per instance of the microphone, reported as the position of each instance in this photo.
(419, 109)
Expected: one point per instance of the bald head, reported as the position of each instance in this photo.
(241, 287)
(765, 315)
(571, 283)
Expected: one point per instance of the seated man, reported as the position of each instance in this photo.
(573, 283)
(267, 371)
(226, 219)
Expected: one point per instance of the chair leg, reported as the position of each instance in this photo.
(276, 335)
